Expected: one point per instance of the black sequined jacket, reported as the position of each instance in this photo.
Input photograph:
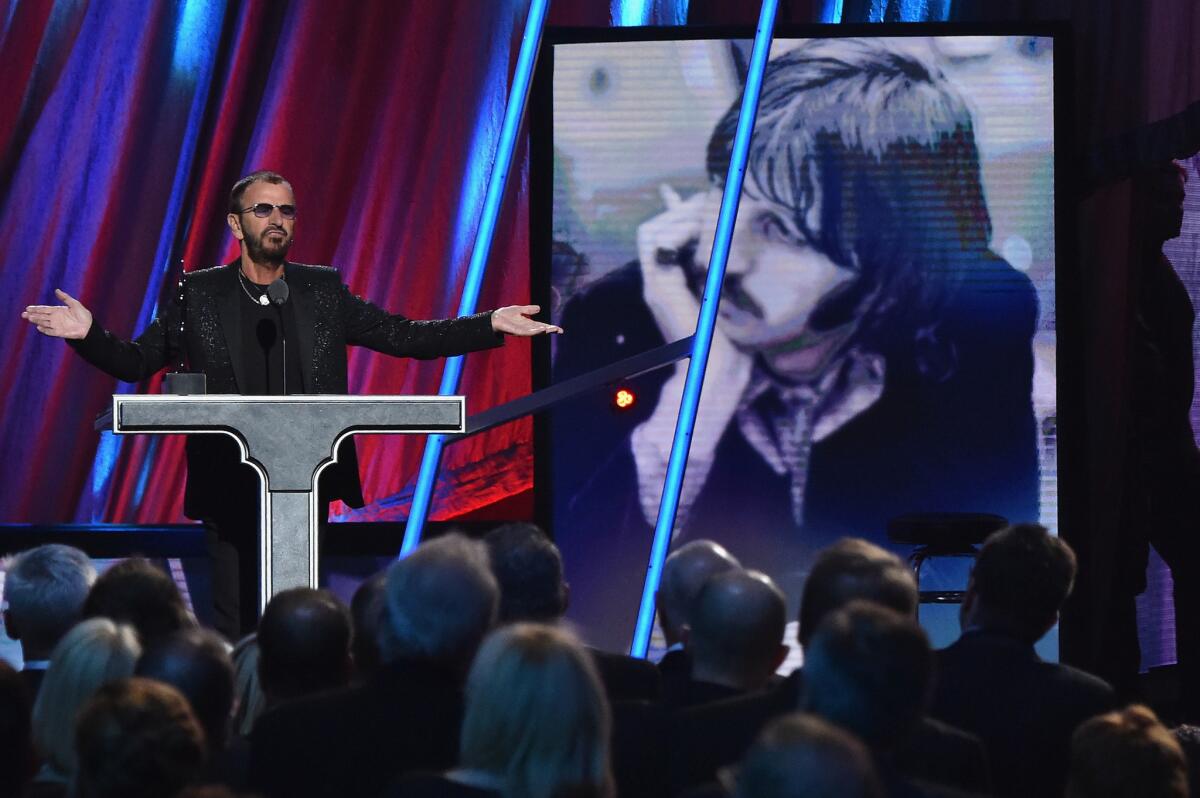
(328, 319)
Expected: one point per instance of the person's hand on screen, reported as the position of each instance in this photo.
(675, 308)
(68, 320)
(514, 320)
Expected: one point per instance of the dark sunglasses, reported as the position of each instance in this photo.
(263, 209)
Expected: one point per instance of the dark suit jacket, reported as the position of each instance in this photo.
(1025, 710)
(627, 678)
(328, 317)
(357, 741)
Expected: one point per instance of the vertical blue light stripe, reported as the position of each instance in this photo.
(831, 11)
(431, 458)
(197, 33)
(704, 327)
(631, 13)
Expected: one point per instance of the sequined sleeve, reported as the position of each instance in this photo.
(371, 326)
(132, 361)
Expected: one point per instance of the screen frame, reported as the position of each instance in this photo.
(1072, 431)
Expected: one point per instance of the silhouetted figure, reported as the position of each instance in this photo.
(992, 683)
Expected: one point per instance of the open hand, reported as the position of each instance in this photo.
(514, 320)
(69, 320)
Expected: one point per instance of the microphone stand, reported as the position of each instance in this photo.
(278, 292)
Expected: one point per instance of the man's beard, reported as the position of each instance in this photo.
(261, 252)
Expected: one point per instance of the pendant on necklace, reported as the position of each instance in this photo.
(262, 300)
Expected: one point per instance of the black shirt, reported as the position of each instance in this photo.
(262, 346)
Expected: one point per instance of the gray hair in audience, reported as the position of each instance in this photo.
(869, 670)
(45, 588)
(92, 654)
(439, 602)
(803, 755)
(851, 569)
(536, 714)
(683, 574)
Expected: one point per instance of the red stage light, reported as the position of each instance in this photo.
(624, 399)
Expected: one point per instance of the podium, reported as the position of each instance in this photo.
(288, 440)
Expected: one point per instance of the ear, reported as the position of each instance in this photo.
(13, 630)
(235, 225)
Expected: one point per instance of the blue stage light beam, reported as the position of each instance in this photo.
(434, 444)
(705, 324)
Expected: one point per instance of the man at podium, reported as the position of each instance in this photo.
(262, 325)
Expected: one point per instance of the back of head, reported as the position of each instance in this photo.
(1126, 754)
(303, 643)
(137, 738)
(854, 569)
(529, 570)
(197, 664)
(536, 714)
(737, 629)
(366, 609)
(439, 602)
(683, 574)
(92, 654)
(1022, 576)
(802, 756)
(45, 588)
(16, 750)
(136, 592)
(869, 670)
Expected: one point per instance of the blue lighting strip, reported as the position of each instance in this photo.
(704, 327)
(431, 459)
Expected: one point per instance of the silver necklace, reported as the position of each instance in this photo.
(262, 298)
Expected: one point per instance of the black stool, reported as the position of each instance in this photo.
(942, 535)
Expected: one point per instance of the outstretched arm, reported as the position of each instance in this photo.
(126, 360)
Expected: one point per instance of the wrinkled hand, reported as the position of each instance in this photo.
(514, 320)
(69, 320)
(676, 309)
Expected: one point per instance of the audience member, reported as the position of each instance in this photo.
(366, 608)
(683, 574)
(196, 662)
(993, 684)
(139, 593)
(736, 639)
(717, 734)
(802, 756)
(44, 591)
(303, 645)
(1188, 737)
(249, 701)
(137, 738)
(17, 761)
(869, 670)
(439, 602)
(529, 569)
(92, 654)
(536, 723)
(1126, 754)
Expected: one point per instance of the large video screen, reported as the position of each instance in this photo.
(885, 343)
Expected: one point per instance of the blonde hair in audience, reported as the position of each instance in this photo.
(536, 714)
(92, 654)
(1126, 754)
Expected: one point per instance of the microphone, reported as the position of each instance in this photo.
(278, 292)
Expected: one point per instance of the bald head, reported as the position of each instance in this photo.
(849, 570)
(683, 574)
(737, 627)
